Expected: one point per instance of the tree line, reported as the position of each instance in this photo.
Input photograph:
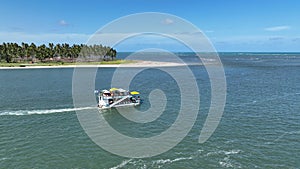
(13, 52)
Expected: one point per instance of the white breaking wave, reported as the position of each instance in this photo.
(143, 164)
(122, 164)
(231, 152)
(164, 161)
(49, 111)
(226, 164)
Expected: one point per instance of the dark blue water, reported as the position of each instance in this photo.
(259, 128)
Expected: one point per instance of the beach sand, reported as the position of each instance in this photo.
(138, 63)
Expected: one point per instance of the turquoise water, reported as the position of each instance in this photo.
(259, 128)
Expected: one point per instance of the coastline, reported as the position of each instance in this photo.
(138, 63)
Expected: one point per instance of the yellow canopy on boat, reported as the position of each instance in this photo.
(113, 89)
(134, 92)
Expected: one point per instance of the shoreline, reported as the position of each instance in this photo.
(138, 63)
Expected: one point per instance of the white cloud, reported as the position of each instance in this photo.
(63, 23)
(257, 44)
(172, 42)
(278, 28)
(132, 43)
(129, 41)
(44, 38)
(168, 21)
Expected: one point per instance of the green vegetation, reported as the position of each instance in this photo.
(59, 54)
(24, 64)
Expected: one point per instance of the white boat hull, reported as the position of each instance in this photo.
(117, 98)
(116, 106)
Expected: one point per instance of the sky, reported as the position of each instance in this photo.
(230, 25)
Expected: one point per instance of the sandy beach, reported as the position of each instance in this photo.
(139, 63)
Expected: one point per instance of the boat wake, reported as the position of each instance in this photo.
(32, 112)
(140, 163)
(122, 164)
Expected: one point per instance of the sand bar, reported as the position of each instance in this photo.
(139, 63)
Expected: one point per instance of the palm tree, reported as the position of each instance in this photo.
(13, 52)
(57, 50)
(51, 51)
(4, 52)
(26, 51)
(32, 51)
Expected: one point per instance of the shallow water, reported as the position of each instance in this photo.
(259, 128)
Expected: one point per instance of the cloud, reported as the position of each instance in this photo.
(63, 23)
(167, 21)
(295, 39)
(43, 38)
(276, 38)
(16, 29)
(173, 42)
(258, 44)
(236, 43)
(278, 28)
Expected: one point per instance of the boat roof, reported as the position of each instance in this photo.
(121, 90)
(105, 91)
(116, 90)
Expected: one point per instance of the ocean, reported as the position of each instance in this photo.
(259, 128)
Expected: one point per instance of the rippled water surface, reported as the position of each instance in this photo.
(259, 128)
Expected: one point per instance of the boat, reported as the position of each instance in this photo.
(117, 97)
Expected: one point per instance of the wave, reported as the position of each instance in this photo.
(164, 161)
(4, 158)
(140, 163)
(226, 164)
(49, 111)
(122, 164)
(274, 97)
(230, 152)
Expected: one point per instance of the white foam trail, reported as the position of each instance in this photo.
(49, 111)
(226, 164)
(231, 152)
(122, 164)
(163, 161)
